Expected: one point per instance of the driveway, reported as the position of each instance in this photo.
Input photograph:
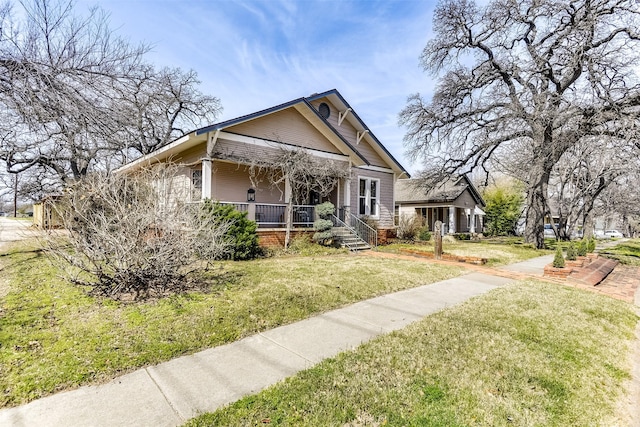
(12, 230)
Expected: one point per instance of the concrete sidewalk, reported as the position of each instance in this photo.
(533, 266)
(170, 393)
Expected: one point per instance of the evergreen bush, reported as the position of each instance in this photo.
(424, 234)
(572, 255)
(323, 226)
(325, 210)
(582, 248)
(591, 245)
(242, 232)
(558, 260)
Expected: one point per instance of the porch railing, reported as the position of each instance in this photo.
(303, 215)
(269, 215)
(356, 225)
(240, 207)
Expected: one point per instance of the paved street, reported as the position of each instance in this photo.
(12, 229)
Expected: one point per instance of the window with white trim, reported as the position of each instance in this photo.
(368, 196)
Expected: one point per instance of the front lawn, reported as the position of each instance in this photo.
(497, 251)
(523, 355)
(53, 336)
(627, 252)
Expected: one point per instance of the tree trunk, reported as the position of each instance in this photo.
(289, 220)
(536, 206)
(587, 220)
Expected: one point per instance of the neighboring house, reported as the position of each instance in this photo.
(45, 214)
(457, 203)
(214, 162)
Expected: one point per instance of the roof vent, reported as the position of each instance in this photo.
(324, 110)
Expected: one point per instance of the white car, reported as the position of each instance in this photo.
(613, 233)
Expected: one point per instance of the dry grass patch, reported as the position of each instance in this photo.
(527, 354)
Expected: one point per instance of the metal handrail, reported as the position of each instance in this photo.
(360, 228)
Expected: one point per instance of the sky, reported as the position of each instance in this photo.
(255, 54)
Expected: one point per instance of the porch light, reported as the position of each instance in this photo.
(251, 195)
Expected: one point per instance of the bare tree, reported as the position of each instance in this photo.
(158, 106)
(579, 179)
(302, 173)
(57, 73)
(528, 77)
(132, 235)
(73, 94)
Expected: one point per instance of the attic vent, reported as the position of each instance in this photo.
(324, 110)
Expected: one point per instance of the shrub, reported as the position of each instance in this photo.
(424, 234)
(572, 255)
(323, 226)
(591, 245)
(558, 259)
(325, 210)
(323, 234)
(582, 248)
(408, 226)
(503, 209)
(369, 221)
(131, 235)
(241, 232)
(463, 236)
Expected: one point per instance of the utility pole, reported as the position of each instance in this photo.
(15, 196)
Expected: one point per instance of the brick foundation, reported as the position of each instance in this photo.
(385, 235)
(275, 238)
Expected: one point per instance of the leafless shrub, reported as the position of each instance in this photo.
(408, 226)
(132, 235)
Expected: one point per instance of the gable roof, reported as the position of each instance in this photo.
(302, 105)
(415, 191)
(355, 120)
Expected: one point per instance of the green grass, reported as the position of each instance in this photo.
(497, 251)
(627, 252)
(53, 336)
(524, 355)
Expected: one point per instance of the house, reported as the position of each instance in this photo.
(456, 202)
(45, 214)
(216, 163)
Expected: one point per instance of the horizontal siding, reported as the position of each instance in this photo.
(231, 181)
(349, 133)
(286, 126)
(385, 203)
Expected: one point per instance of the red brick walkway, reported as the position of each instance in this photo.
(621, 283)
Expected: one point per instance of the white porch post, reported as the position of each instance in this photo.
(472, 228)
(452, 220)
(206, 179)
(347, 196)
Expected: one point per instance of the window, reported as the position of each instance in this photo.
(196, 184)
(368, 196)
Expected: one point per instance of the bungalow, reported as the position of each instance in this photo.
(456, 203)
(216, 163)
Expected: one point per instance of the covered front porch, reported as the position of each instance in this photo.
(232, 184)
(454, 219)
